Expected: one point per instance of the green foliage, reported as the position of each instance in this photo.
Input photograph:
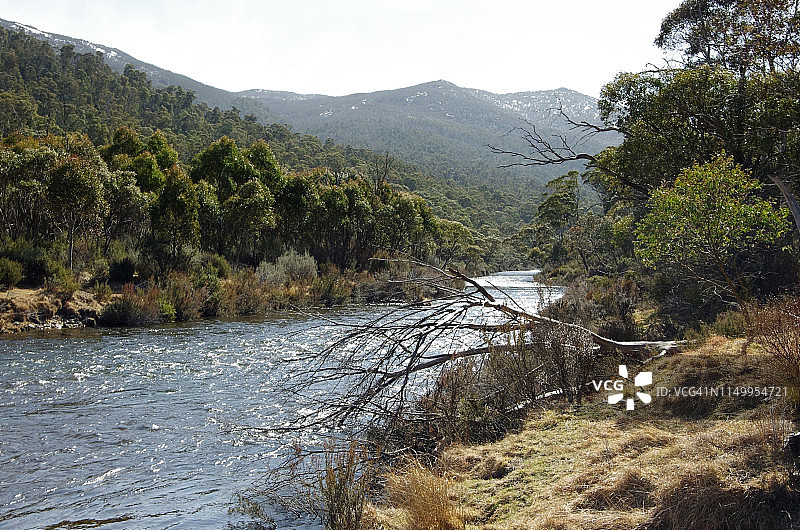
(75, 195)
(217, 265)
(174, 214)
(10, 273)
(740, 35)
(147, 170)
(707, 220)
(730, 324)
(167, 124)
(102, 291)
(297, 266)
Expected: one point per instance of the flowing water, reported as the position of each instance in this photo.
(154, 427)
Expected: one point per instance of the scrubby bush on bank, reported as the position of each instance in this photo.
(135, 307)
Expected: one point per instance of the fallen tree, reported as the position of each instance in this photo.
(378, 370)
(463, 366)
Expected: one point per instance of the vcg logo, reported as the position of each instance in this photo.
(617, 386)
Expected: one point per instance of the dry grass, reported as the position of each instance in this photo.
(667, 465)
(420, 500)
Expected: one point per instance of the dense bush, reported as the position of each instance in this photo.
(270, 274)
(244, 294)
(37, 264)
(122, 270)
(297, 266)
(135, 307)
(186, 300)
(10, 273)
(331, 289)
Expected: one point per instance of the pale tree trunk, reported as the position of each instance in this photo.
(791, 200)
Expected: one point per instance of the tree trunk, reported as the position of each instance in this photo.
(791, 200)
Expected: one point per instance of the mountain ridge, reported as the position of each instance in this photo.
(436, 125)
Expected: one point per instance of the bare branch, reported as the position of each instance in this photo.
(370, 372)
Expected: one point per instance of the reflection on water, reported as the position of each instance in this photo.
(152, 427)
(519, 290)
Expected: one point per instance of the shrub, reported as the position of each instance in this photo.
(617, 302)
(331, 290)
(776, 327)
(166, 310)
(297, 266)
(216, 264)
(37, 265)
(185, 300)
(576, 306)
(10, 272)
(730, 324)
(270, 274)
(211, 286)
(62, 280)
(122, 270)
(244, 294)
(101, 290)
(135, 307)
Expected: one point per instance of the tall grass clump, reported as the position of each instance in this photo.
(344, 486)
(423, 498)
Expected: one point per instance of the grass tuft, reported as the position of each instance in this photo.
(422, 499)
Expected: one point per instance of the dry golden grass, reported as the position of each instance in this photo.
(666, 465)
(420, 500)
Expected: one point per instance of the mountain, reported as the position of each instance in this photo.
(443, 128)
(427, 123)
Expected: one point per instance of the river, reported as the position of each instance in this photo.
(154, 427)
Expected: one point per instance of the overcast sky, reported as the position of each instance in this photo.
(338, 47)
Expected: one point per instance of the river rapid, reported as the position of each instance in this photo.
(155, 427)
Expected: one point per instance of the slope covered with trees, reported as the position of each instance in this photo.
(59, 91)
(105, 177)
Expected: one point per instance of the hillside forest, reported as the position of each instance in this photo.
(108, 181)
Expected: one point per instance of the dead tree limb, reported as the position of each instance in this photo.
(372, 371)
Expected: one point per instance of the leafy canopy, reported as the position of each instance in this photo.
(710, 215)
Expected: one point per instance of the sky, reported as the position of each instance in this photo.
(338, 47)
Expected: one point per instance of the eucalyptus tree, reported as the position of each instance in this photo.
(707, 224)
(75, 197)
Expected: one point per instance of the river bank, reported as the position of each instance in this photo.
(689, 459)
(179, 298)
(42, 309)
